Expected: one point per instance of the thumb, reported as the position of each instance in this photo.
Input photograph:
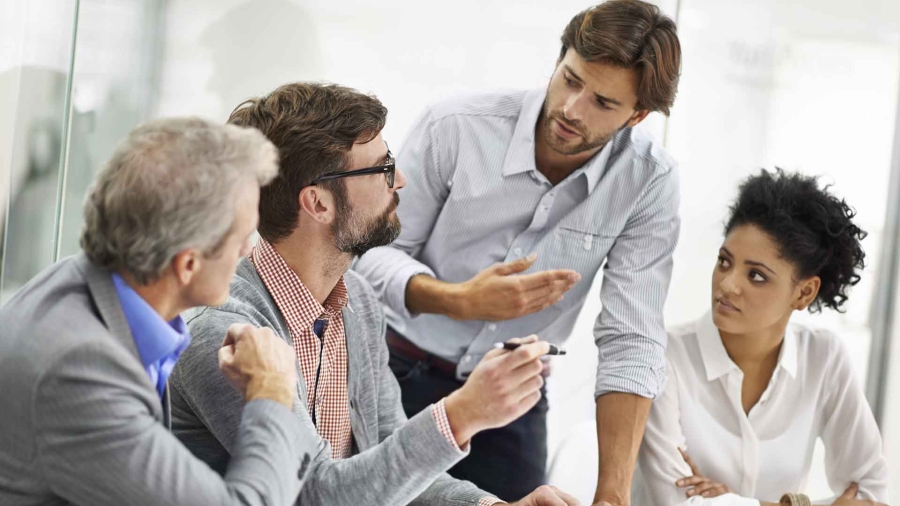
(236, 332)
(226, 355)
(516, 266)
(851, 491)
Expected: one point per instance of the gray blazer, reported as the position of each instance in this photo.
(82, 424)
(395, 461)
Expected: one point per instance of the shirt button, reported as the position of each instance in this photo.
(450, 183)
(517, 251)
(467, 358)
(492, 327)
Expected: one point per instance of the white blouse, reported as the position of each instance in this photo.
(813, 394)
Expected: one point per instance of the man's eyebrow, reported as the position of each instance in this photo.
(607, 99)
(387, 156)
(597, 95)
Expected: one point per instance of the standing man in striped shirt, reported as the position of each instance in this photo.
(516, 198)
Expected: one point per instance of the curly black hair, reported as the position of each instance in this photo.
(814, 230)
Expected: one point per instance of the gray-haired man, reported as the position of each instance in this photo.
(87, 345)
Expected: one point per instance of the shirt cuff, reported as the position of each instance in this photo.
(635, 367)
(395, 292)
(439, 413)
(488, 501)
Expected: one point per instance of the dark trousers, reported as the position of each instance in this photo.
(509, 462)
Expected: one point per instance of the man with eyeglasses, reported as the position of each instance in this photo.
(335, 197)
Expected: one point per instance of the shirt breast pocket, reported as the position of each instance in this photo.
(582, 251)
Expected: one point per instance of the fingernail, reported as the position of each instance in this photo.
(680, 483)
(531, 257)
(704, 494)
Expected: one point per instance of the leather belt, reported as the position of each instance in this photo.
(402, 346)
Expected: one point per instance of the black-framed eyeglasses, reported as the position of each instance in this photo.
(388, 169)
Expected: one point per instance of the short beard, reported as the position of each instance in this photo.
(585, 145)
(353, 235)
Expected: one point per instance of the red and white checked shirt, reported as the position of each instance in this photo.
(300, 311)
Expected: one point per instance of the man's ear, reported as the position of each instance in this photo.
(186, 264)
(317, 203)
(638, 116)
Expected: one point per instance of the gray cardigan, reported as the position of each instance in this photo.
(83, 424)
(396, 461)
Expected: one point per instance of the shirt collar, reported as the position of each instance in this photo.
(296, 303)
(716, 360)
(154, 338)
(787, 359)
(520, 154)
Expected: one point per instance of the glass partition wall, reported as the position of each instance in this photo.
(36, 49)
(74, 77)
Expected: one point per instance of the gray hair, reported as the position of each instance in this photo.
(169, 186)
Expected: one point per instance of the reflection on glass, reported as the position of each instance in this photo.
(113, 90)
(32, 174)
(33, 82)
(32, 210)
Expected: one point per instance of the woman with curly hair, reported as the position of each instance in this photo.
(749, 392)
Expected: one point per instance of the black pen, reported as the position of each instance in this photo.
(554, 349)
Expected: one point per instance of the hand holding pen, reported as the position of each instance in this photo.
(510, 345)
(501, 388)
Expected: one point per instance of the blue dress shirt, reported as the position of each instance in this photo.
(159, 343)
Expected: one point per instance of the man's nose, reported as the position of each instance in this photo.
(399, 179)
(573, 107)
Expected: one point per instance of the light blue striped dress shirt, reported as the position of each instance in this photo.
(474, 197)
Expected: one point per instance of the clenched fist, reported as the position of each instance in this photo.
(259, 364)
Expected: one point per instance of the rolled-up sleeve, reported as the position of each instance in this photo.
(630, 332)
(389, 268)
